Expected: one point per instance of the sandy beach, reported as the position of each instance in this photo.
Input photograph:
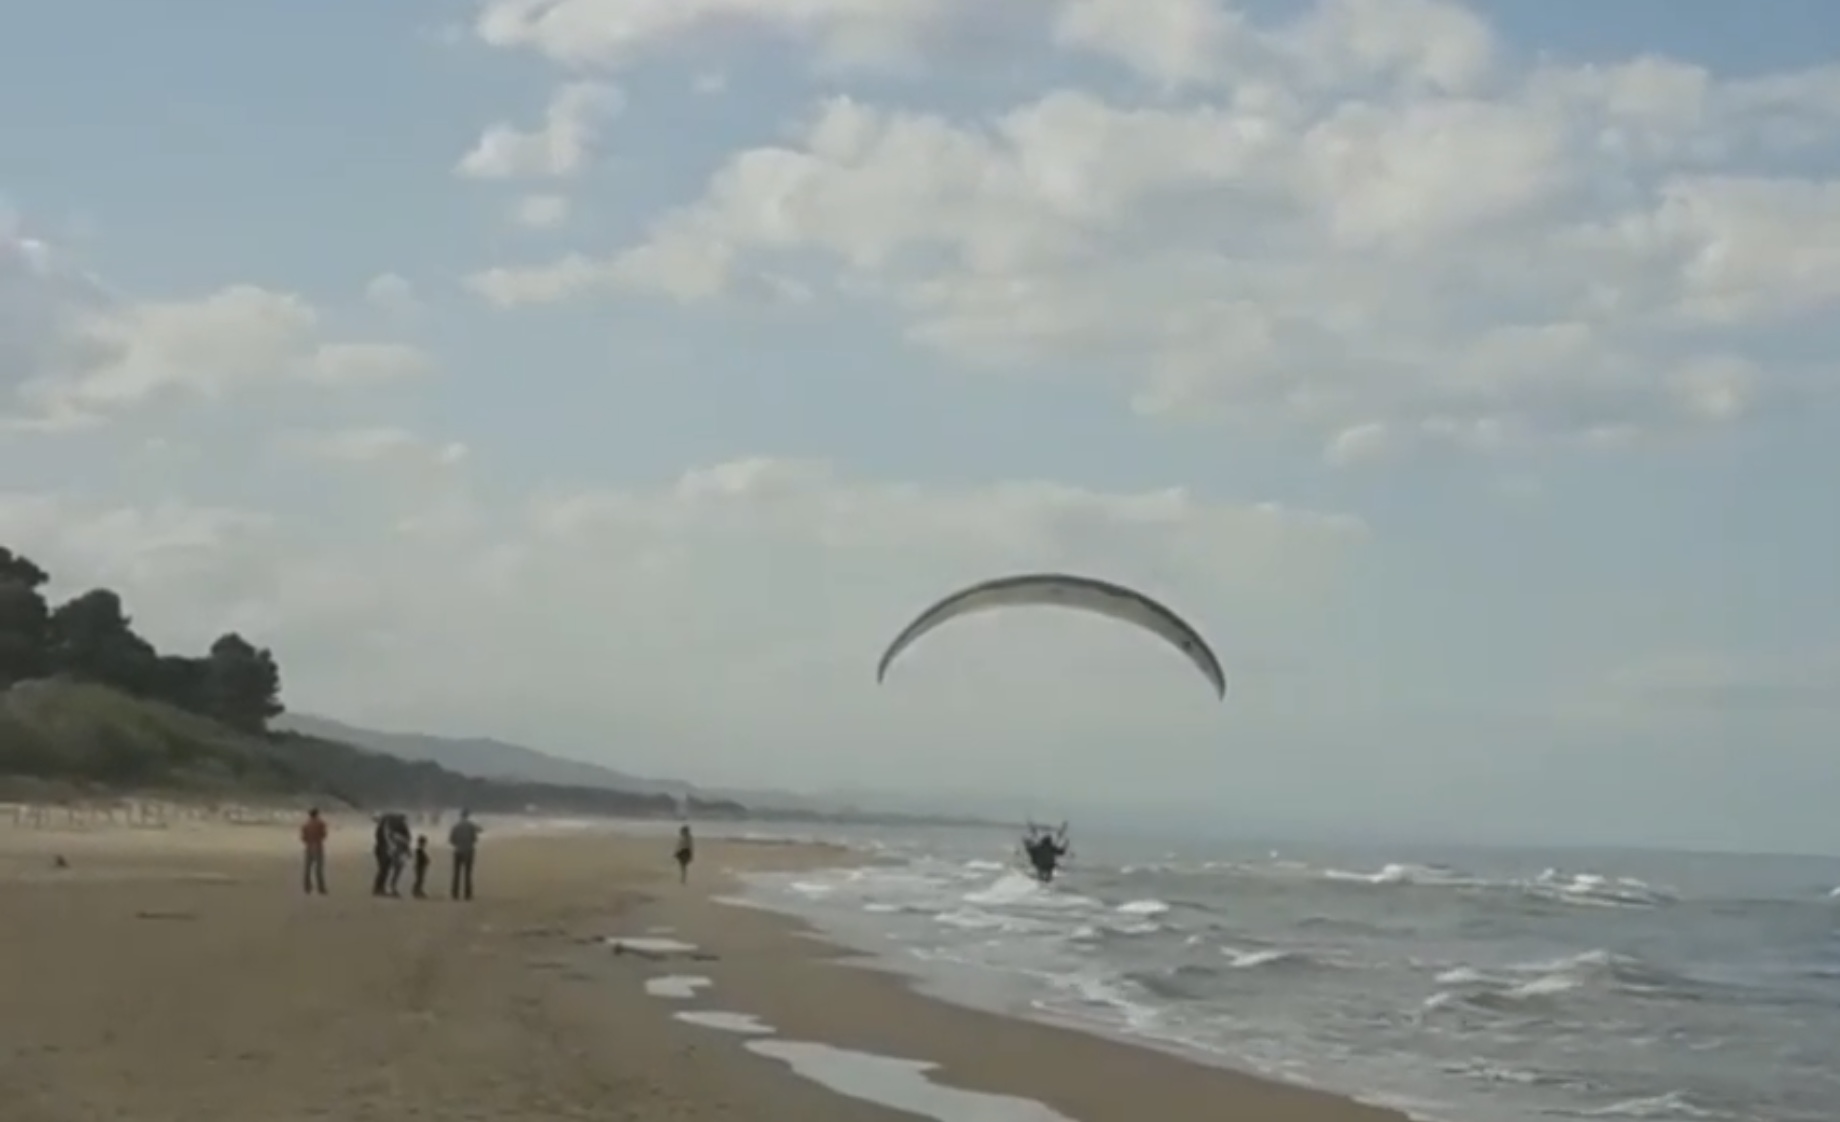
(179, 974)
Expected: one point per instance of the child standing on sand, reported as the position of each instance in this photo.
(421, 867)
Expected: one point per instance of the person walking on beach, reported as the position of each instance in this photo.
(686, 853)
(421, 867)
(464, 840)
(313, 853)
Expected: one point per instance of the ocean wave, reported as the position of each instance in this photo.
(1287, 957)
(1145, 908)
(1598, 888)
(1556, 885)
(1589, 972)
(1019, 890)
(1404, 872)
(1240, 959)
(1672, 1105)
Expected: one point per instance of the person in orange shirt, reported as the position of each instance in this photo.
(313, 853)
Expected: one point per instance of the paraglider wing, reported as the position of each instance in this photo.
(1061, 590)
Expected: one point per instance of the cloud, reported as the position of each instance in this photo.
(74, 352)
(767, 583)
(392, 294)
(375, 445)
(1690, 684)
(541, 212)
(612, 33)
(1365, 220)
(558, 149)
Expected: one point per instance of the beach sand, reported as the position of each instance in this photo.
(179, 974)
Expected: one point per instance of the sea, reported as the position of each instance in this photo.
(1454, 984)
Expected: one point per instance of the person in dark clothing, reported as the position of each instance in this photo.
(390, 847)
(463, 839)
(421, 867)
(1046, 849)
(380, 851)
(685, 853)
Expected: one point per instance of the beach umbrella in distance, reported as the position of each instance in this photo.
(1064, 590)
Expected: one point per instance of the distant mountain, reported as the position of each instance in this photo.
(496, 759)
(480, 756)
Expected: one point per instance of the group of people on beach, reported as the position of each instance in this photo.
(396, 849)
(395, 853)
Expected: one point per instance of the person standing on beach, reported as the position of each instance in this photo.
(464, 840)
(400, 841)
(313, 853)
(686, 853)
(380, 852)
(421, 867)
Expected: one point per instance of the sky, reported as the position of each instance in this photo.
(618, 376)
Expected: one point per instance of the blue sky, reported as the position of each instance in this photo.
(1525, 336)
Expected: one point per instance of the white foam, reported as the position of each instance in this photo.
(1142, 908)
(743, 1024)
(1248, 960)
(1018, 889)
(677, 987)
(651, 944)
(1405, 872)
(899, 1084)
(1672, 1105)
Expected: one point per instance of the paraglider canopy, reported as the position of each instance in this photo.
(1063, 590)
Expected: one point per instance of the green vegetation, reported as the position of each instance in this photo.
(90, 638)
(88, 705)
(89, 735)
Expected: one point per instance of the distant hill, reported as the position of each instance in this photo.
(480, 756)
(497, 759)
(61, 739)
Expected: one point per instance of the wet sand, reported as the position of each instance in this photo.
(179, 974)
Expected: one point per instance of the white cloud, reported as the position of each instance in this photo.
(1363, 220)
(375, 445)
(1685, 688)
(392, 294)
(560, 148)
(206, 347)
(541, 212)
(346, 364)
(767, 583)
(1174, 43)
(75, 352)
(611, 33)
(1360, 443)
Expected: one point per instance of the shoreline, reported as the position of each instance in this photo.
(1092, 1077)
(962, 994)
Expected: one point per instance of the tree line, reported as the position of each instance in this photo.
(91, 638)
